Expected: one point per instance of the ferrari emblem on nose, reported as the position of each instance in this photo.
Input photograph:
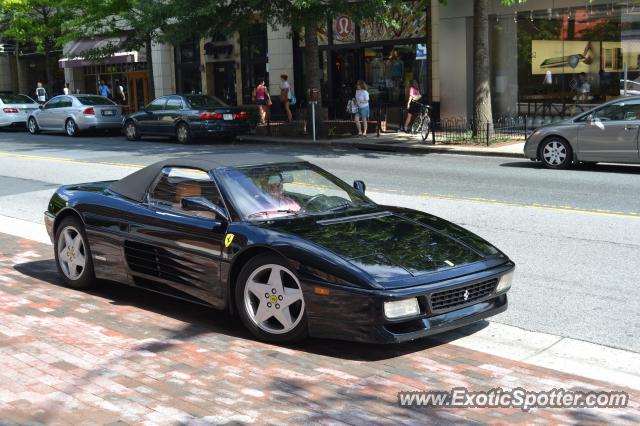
(228, 239)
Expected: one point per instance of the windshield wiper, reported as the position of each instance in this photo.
(268, 212)
(339, 207)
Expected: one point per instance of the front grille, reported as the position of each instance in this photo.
(448, 299)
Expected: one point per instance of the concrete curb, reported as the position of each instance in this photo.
(385, 147)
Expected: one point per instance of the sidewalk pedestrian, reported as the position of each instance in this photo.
(41, 93)
(65, 89)
(362, 100)
(103, 89)
(263, 100)
(285, 95)
(121, 97)
(413, 106)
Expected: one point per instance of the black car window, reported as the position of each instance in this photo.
(175, 183)
(53, 103)
(92, 100)
(205, 102)
(16, 99)
(64, 102)
(157, 105)
(174, 103)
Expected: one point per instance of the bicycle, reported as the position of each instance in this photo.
(422, 123)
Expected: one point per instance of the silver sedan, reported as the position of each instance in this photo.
(73, 114)
(14, 109)
(607, 133)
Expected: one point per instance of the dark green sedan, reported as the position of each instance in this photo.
(185, 118)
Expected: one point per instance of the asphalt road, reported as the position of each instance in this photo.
(575, 235)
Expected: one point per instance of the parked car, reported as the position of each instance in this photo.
(289, 248)
(186, 117)
(633, 88)
(73, 114)
(607, 133)
(14, 109)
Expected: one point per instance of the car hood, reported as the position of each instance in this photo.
(393, 246)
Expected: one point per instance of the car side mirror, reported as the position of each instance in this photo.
(201, 204)
(359, 186)
(590, 118)
(41, 106)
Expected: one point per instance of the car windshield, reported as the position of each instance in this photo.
(205, 102)
(94, 100)
(290, 189)
(16, 99)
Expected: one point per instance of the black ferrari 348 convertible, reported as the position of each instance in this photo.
(289, 248)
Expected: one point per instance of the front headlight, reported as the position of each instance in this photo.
(505, 282)
(401, 308)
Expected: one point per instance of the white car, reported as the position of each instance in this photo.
(14, 109)
(633, 88)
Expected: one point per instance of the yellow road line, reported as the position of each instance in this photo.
(67, 160)
(550, 207)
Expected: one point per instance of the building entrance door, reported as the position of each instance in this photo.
(224, 81)
(346, 71)
(138, 85)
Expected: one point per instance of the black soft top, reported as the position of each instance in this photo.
(136, 184)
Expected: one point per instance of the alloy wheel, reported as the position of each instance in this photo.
(554, 153)
(130, 131)
(33, 126)
(71, 127)
(182, 133)
(273, 299)
(72, 253)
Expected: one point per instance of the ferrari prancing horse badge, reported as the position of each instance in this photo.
(228, 239)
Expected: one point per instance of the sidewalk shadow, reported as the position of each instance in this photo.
(204, 319)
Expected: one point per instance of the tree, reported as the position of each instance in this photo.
(38, 23)
(482, 111)
(135, 24)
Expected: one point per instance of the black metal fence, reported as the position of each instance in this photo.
(466, 131)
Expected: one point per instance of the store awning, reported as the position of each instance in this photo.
(74, 55)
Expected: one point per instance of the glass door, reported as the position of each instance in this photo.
(138, 82)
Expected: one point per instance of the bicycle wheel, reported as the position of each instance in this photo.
(416, 127)
(426, 127)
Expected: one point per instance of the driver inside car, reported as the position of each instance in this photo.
(276, 191)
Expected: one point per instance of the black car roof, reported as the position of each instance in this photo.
(135, 185)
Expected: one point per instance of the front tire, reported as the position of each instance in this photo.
(270, 300)
(556, 153)
(131, 131)
(73, 255)
(32, 126)
(183, 133)
(71, 128)
(426, 128)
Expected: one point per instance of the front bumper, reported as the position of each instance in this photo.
(49, 219)
(357, 315)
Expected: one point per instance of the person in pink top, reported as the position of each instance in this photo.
(413, 107)
(262, 99)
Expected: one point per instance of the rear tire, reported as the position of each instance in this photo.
(71, 128)
(73, 255)
(32, 126)
(415, 127)
(183, 133)
(556, 153)
(131, 131)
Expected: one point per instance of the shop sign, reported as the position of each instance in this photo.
(343, 29)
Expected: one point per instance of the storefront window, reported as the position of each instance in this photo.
(568, 58)
(389, 70)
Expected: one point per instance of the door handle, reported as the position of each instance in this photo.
(630, 127)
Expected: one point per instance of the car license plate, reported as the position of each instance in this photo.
(109, 112)
(228, 116)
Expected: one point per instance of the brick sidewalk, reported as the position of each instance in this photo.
(118, 354)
